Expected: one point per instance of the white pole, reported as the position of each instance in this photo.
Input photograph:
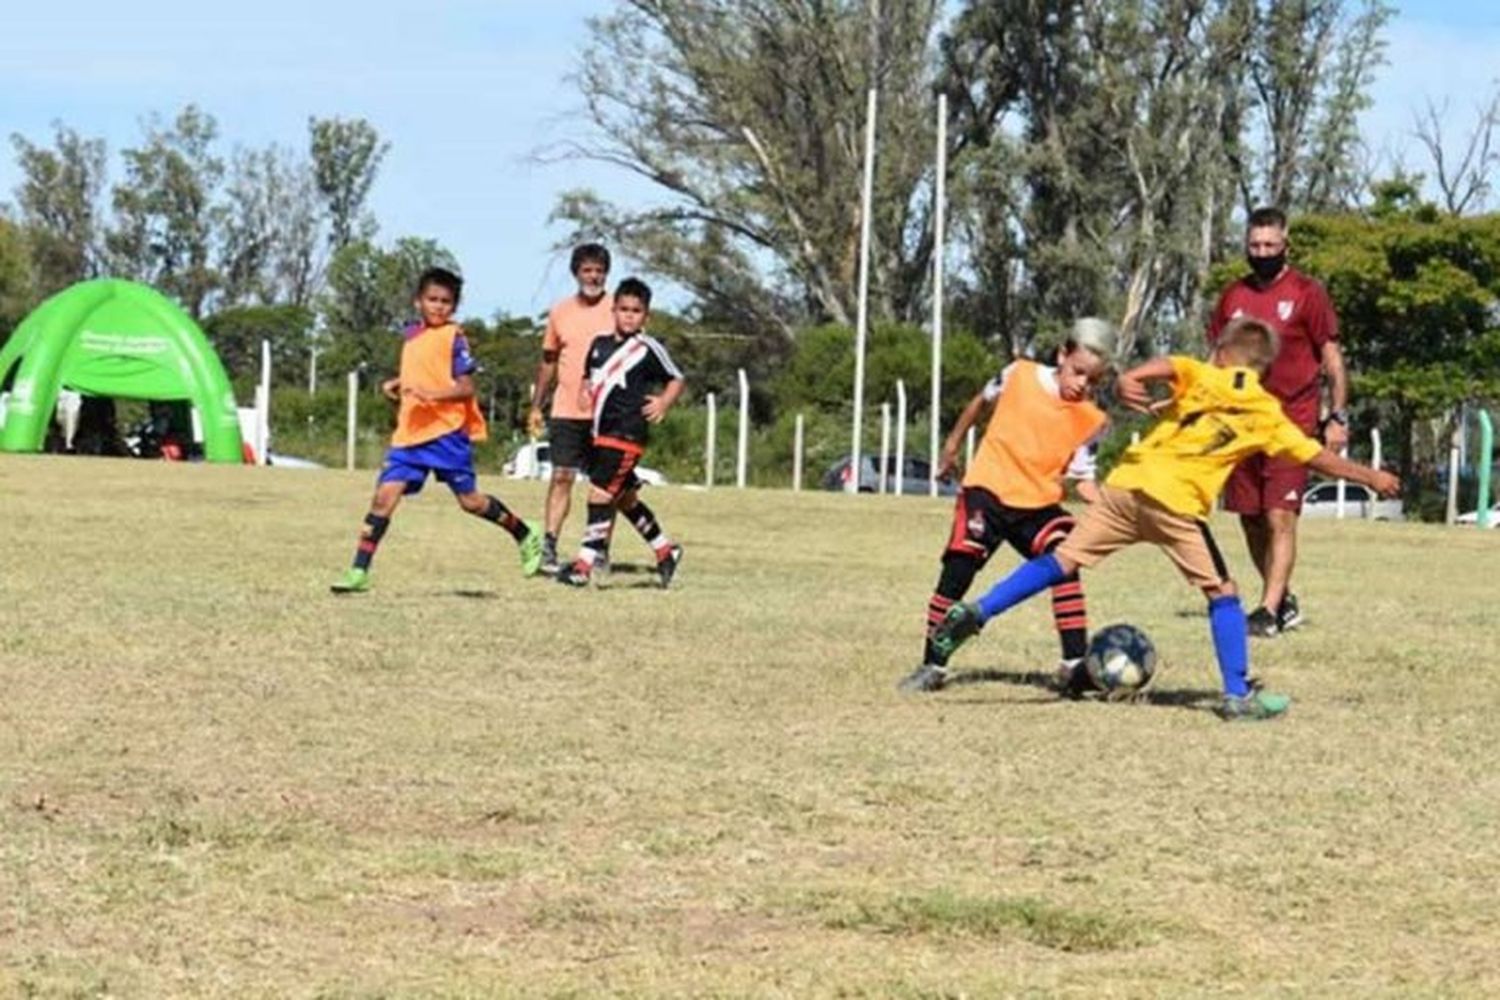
(884, 470)
(312, 370)
(797, 456)
(862, 316)
(939, 208)
(1338, 501)
(711, 442)
(263, 446)
(1451, 517)
(969, 448)
(900, 436)
(353, 421)
(742, 447)
(1374, 462)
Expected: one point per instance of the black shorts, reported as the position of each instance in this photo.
(571, 441)
(981, 522)
(612, 468)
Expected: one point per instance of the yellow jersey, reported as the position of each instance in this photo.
(1217, 418)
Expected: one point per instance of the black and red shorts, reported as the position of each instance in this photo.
(981, 522)
(612, 465)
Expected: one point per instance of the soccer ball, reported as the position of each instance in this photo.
(1120, 659)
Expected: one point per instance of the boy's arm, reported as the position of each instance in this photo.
(391, 388)
(462, 388)
(657, 406)
(1131, 387)
(1338, 467)
(948, 459)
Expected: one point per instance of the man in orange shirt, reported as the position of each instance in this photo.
(572, 325)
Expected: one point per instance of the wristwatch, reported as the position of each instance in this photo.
(1340, 417)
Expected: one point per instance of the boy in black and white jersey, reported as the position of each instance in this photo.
(624, 367)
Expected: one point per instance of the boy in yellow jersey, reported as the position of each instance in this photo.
(1042, 431)
(435, 430)
(1163, 488)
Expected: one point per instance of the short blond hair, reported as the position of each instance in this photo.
(1251, 342)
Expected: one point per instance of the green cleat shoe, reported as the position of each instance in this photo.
(531, 550)
(354, 581)
(1257, 706)
(959, 625)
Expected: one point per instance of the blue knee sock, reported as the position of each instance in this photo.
(1027, 579)
(1226, 619)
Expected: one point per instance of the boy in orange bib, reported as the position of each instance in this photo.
(1042, 430)
(435, 430)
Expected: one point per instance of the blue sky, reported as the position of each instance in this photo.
(467, 90)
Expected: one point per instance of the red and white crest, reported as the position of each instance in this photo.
(1284, 309)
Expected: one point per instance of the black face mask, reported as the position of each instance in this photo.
(1266, 268)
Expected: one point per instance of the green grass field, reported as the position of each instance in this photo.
(219, 780)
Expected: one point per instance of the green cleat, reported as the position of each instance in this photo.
(959, 625)
(354, 581)
(531, 550)
(1257, 706)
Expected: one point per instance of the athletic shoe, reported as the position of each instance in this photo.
(600, 571)
(927, 677)
(1257, 706)
(1288, 614)
(549, 565)
(666, 568)
(531, 550)
(958, 626)
(354, 581)
(575, 575)
(1071, 678)
(1262, 624)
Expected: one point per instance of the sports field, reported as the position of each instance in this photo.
(218, 780)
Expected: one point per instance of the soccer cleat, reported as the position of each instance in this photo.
(575, 575)
(549, 565)
(927, 677)
(1262, 624)
(958, 626)
(601, 571)
(666, 567)
(531, 551)
(1288, 614)
(1071, 678)
(1257, 706)
(354, 581)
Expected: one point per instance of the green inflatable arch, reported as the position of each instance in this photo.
(113, 338)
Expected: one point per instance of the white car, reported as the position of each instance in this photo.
(1322, 500)
(533, 460)
(1472, 517)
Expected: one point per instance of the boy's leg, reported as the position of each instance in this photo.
(668, 553)
(971, 541)
(609, 474)
(569, 444)
(465, 489)
(1042, 531)
(388, 493)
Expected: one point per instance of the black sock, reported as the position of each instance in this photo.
(502, 515)
(1070, 614)
(959, 570)
(596, 536)
(646, 523)
(369, 539)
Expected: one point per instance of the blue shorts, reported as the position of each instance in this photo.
(450, 458)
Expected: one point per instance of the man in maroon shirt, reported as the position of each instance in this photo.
(1267, 492)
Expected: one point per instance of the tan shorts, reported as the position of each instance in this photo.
(1125, 517)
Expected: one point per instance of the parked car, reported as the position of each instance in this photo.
(1322, 500)
(915, 471)
(1472, 517)
(533, 460)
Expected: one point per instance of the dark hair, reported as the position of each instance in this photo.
(1267, 215)
(634, 288)
(589, 253)
(443, 278)
(1254, 342)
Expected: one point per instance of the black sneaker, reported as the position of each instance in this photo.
(666, 568)
(550, 565)
(575, 575)
(1071, 679)
(927, 677)
(1263, 624)
(1288, 614)
(958, 626)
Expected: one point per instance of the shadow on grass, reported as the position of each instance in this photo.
(1190, 698)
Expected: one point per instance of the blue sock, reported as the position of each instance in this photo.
(1027, 579)
(1226, 619)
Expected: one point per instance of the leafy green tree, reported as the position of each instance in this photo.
(17, 295)
(368, 298)
(236, 333)
(59, 202)
(346, 155)
(269, 228)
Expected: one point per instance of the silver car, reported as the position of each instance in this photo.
(1322, 500)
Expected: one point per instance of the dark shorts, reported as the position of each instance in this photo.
(612, 468)
(450, 458)
(572, 443)
(981, 523)
(1261, 483)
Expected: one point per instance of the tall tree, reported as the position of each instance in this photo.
(748, 118)
(17, 293)
(369, 295)
(269, 229)
(164, 209)
(59, 202)
(346, 155)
